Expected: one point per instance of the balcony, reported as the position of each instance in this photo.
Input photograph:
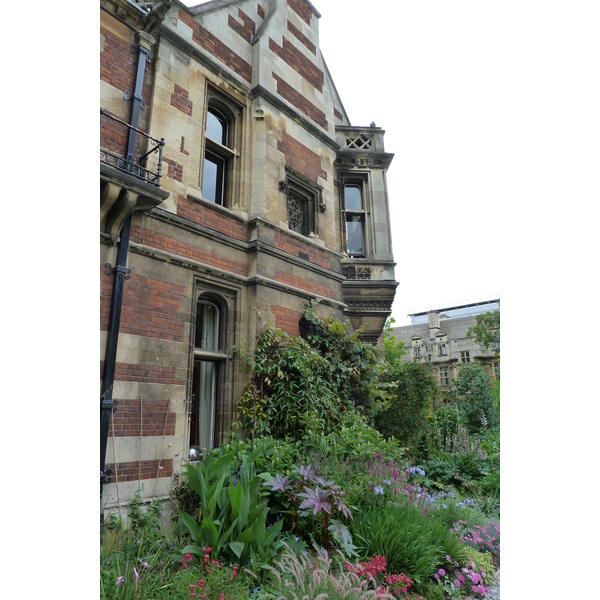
(128, 182)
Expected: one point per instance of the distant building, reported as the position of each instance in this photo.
(439, 337)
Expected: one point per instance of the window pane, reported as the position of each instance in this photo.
(216, 127)
(207, 326)
(354, 234)
(213, 178)
(352, 197)
(203, 404)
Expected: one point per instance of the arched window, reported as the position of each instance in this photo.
(207, 361)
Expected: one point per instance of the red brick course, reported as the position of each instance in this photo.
(126, 420)
(260, 11)
(175, 170)
(246, 30)
(301, 158)
(286, 91)
(150, 308)
(303, 284)
(300, 63)
(107, 282)
(199, 213)
(302, 250)
(180, 99)
(217, 48)
(300, 36)
(301, 9)
(161, 242)
(338, 114)
(287, 320)
(149, 469)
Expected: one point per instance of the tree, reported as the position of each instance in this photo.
(486, 330)
(471, 391)
(410, 398)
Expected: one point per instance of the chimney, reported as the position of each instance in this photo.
(434, 323)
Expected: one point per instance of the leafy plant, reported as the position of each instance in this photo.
(412, 544)
(232, 517)
(320, 497)
(410, 396)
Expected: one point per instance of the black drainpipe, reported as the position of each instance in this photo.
(121, 273)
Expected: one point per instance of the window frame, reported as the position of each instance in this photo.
(307, 192)
(225, 156)
(465, 356)
(361, 181)
(224, 301)
(442, 349)
(444, 376)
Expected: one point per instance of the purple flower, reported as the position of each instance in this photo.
(119, 580)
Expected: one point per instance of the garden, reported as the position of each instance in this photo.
(338, 481)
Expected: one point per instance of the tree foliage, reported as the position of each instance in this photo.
(486, 330)
(410, 398)
(304, 387)
(472, 392)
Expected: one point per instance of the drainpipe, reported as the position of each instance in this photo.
(121, 274)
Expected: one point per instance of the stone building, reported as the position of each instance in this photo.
(233, 189)
(439, 338)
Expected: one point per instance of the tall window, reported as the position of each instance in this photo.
(354, 211)
(207, 361)
(417, 351)
(217, 156)
(465, 357)
(441, 349)
(444, 376)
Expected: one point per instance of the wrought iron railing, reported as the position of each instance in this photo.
(130, 165)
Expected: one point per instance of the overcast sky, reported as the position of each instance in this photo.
(472, 96)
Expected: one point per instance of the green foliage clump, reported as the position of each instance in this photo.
(410, 397)
(135, 559)
(411, 543)
(472, 393)
(232, 513)
(303, 388)
(486, 330)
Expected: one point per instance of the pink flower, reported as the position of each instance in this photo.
(119, 580)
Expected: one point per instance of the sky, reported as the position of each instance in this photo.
(426, 75)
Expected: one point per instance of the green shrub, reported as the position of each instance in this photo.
(411, 543)
(232, 516)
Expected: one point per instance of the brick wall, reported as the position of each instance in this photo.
(118, 67)
(301, 9)
(287, 320)
(216, 47)
(287, 92)
(300, 63)
(150, 308)
(174, 169)
(301, 250)
(301, 158)
(300, 36)
(161, 242)
(180, 99)
(149, 469)
(246, 29)
(107, 282)
(155, 420)
(303, 284)
(199, 213)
